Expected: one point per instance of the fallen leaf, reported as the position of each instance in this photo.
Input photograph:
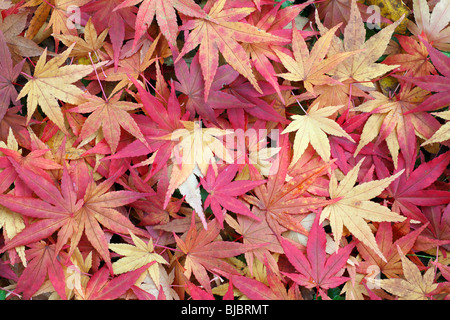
(353, 207)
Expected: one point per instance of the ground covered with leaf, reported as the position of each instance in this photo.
(224, 149)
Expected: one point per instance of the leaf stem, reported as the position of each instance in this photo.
(26, 75)
(98, 79)
(306, 113)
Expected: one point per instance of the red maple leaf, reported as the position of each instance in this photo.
(42, 262)
(190, 83)
(437, 233)
(391, 268)
(101, 287)
(408, 193)
(316, 270)
(164, 10)
(435, 83)
(221, 30)
(223, 192)
(8, 92)
(203, 252)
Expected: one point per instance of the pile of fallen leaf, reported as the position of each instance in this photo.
(118, 179)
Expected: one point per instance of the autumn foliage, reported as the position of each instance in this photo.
(224, 149)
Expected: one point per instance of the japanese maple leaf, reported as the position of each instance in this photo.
(104, 16)
(333, 12)
(101, 287)
(260, 109)
(223, 190)
(437, 233)
(343, 149)
(61, 211)
(12, 27)
(284, 202)
(59, 19)
(220, 31)
(316, 269)
(443, 134)
(414, 61)
(312, 128)
(136, 256)
(129, 67)
(256, 232)
(334, 94)
(17, 123)
(202, 252)
(408, 193)
(7, 273)
(273, 21)
(311, 67)
(8, 92)
(190, 83)
(444, 269)
(415, 286)
(434, 83)
(392, 121)
(391, 268)
(363, 66)
(434, 26)
(91, 43)
(110, 115)
(164, 10)
(42, 262)
(354, 207)
(51, 82)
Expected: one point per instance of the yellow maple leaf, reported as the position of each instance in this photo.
(51, 82)
(197, 148)
(361, 67)
(11, 143)
(433, 25)
(92, 42)
(136, 256)
(388, 120)
(414, 286)
(12, 224)
(354, 207)
(60, 19)
(311, 67)
(312, 128)
(443, 133)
